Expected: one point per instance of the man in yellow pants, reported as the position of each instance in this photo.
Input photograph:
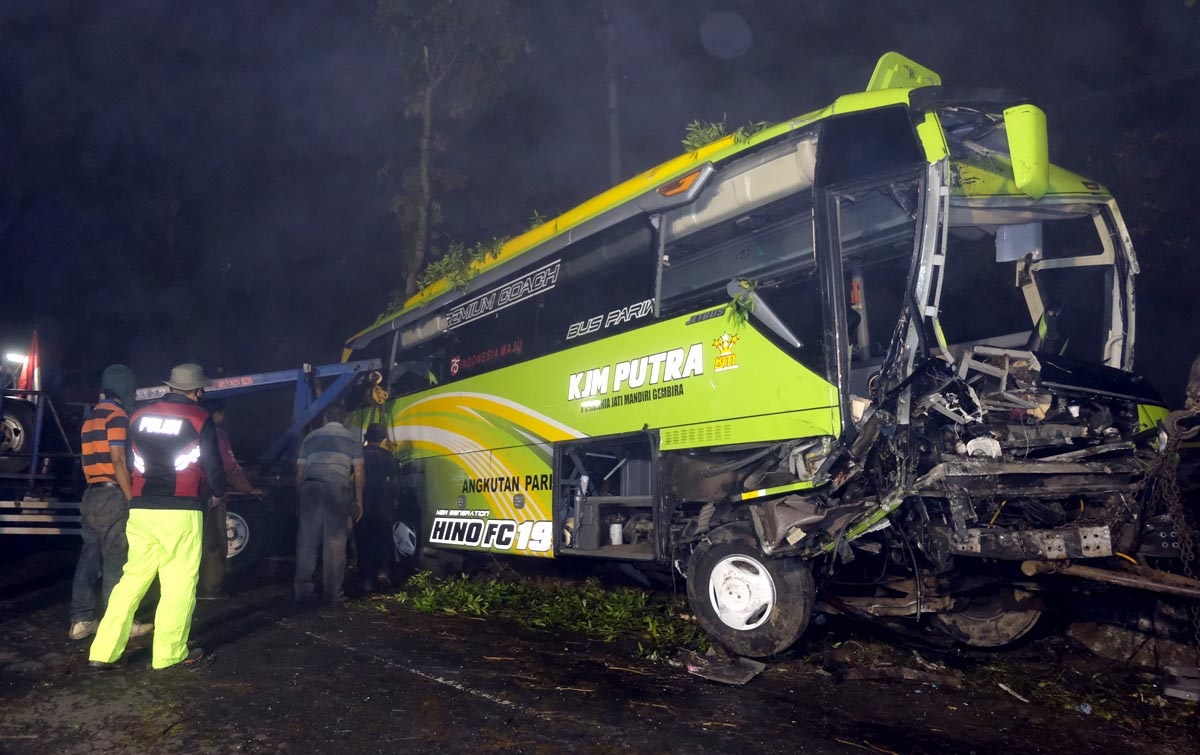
(174, 448)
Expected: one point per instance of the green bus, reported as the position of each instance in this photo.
(882, 349)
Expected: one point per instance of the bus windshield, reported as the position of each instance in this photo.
(1045, 281)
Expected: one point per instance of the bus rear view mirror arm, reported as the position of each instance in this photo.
(761, 311)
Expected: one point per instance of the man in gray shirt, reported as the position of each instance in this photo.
(329, 476)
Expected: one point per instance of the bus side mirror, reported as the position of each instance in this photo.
(1028, 146)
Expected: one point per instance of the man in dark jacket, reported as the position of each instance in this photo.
(174, 448)
(216, 540)
(373, 534)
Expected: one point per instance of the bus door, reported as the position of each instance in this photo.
(872, 228)
(604, 497)
(868, 178)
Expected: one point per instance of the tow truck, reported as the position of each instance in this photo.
(41, 481)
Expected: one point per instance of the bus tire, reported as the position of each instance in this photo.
(991, 619)
(249, 538)
(16, 435)
(753, 605)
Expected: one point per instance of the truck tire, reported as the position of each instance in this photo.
(248, 530)
(753, 605)
(16, 436)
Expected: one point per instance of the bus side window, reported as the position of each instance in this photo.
(605, 287)
(489, 343)
(414, 375)
(768, 243)
(771, 248)
(857, 145)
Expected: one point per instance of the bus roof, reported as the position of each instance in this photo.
(891, 83)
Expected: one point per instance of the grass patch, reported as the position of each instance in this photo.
(656, 623)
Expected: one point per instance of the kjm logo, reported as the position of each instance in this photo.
(726, 359)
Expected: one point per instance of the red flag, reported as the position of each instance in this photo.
(30, 378)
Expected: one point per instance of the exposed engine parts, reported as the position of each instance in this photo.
(1007, 457)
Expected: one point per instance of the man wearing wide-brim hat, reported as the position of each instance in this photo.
(174, 445)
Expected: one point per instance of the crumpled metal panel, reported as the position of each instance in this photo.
(1049, 545)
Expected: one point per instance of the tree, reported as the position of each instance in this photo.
(452, 55)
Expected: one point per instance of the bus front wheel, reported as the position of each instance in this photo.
(753, 605)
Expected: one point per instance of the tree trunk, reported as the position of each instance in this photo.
(612, 73)
(420, 236)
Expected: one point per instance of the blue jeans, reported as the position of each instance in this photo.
(103, 514)
(324, 509)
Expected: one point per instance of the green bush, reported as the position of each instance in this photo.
(657, 623)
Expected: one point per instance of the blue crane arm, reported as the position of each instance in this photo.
(309, 402)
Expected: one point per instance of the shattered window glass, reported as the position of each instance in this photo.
(980, 298)
(1070, 237)
(1057, 299)
(1079, 298)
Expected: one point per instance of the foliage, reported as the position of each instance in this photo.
(462, 47)
(396, 299)
(402, 182)
(657, 624)
(451, 56)
(703, 133)
(457, 265)
(460, 263)
(741, 306)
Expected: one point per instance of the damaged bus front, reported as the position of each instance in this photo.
(995, 430)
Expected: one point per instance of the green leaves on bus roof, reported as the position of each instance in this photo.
(703, 133)
(460, 263)
(457, 266)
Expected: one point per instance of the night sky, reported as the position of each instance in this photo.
(198, 180)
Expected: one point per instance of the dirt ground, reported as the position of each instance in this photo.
(375, 676)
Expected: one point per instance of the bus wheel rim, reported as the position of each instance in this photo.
(742, 592)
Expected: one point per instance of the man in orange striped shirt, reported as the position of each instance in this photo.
(105, 506)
